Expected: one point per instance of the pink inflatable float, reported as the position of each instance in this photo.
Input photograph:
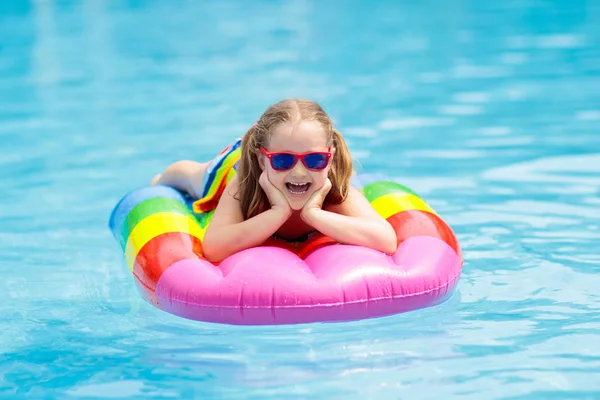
(282, 282)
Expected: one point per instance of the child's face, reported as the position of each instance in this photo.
(298, 183)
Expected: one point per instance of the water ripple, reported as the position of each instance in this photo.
(488, 110)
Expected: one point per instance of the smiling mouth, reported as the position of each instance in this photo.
(297, 189)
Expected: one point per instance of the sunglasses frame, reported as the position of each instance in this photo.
(297, 156)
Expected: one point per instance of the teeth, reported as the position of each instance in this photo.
(298, 189)
(296, 192)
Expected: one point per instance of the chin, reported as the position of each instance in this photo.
(297, 202)
(296, 205)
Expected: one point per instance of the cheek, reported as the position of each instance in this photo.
(276, 178)
(320, 178)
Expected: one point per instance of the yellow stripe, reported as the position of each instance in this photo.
(230, 175)
(224, 171)
(157, 224)
(393, 203)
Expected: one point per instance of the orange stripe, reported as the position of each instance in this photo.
(161, 252)
(422, 223)
(210, 202)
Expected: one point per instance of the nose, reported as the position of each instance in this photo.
(299, 170)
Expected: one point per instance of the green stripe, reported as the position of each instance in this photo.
(375, 190)
(204, 218)
(149, 207)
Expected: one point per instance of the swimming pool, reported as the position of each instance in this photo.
(489, 110)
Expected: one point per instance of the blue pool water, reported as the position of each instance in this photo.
(488, 109)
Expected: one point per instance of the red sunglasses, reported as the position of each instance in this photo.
(315, 161)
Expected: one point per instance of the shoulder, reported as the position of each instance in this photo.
(355, 204)
(232, 189)
(228, 210)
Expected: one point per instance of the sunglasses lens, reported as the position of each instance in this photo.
(281, 162)
(316, 161)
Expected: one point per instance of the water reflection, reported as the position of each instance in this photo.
(487, 109)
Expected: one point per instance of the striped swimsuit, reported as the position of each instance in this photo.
(218, 174)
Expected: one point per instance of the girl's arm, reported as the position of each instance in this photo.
(229, 233)
(183, 175)
(354, 221)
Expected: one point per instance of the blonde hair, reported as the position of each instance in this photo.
(251, 195)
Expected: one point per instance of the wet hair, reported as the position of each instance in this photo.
(252, 197)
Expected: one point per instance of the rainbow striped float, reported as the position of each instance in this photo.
(281, 282)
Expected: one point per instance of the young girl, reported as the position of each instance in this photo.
(291, 178)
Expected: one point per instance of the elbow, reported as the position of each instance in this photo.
(211, 252)
(212, 257)
(390, 247)
(380, 237)
(389, 242)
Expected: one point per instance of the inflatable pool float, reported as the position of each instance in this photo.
(282, 282)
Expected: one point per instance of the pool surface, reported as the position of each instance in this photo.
(489, 110)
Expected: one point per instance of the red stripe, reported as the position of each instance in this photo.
(147, 293)
(313, 244)
(422, 223)
(207, 203)
(301, 249)
(161, 252)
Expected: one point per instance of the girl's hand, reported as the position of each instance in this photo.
(276, 198)
(316, 200)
